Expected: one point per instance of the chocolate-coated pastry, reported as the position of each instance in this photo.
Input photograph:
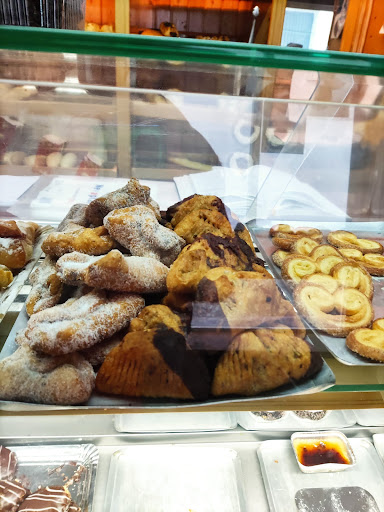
(131, 194)
(261, 360)
(8, 463)
(178, 211)
(12, 494)
(48, 499)
(208, 252)
(202, 221)
(155, 363)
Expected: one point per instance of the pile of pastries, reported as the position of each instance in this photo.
(16, 497)
(136, 302)
(16, 247)
(332, 283)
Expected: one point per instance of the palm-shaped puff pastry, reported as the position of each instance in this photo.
(297, 266)
(155, 363)
(337, 314)
(261, 360)
(374, 264)
(352, 275)
(304, 245)
(347, 240)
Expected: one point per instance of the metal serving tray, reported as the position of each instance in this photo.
(320, 382)
(290, 422)
(9, 294)
(336, 346)
(52, 465)
(283, 478)
(171, 478)
(370, 417)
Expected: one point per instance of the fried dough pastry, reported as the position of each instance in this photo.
(97, 353)
(368, 343)
(304, 246)
(86, 240)
(76, 215)
(137, 229)
(154, 316)
(323, 250)
(18, 229)
(178, 211)
(64, 380)
(154, 363)
(46, 287)
(327, 263)
(373, 263)
(202, 221)
(347, 240)
(16, 250)
(113, 272)
(79, 323)
(324, 280)
(295, 267)
(6, 276)
(279, 256)
(131, 194)
(261, 360)
(337, 314)
(351, 275)
(208, 252)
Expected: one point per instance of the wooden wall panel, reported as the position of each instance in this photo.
(374, 41)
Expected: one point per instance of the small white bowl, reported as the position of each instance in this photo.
(337, 437)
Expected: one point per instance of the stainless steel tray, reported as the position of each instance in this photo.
(283, 478)
(175, 478)
(45, 465)
(291, 422)
(9, 294)
(336, 346)
(370, 417)
(320, 382)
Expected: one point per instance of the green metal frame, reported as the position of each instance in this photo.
(190, 50)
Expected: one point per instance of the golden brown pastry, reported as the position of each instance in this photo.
(208, 252)
(368, 343)
(178, 211)
(304, 246)
(168, 29)
(336, 313)
(6, 276)
(79, 323)
(97, 353)
(18, 229)
(323, 250)
(352, 254)
(16, 251)
(347, 240)
(202, 221)
(281, 230)
(154, 363)
(351, 275)
(28, 377)
(326, 263)
(178, 301)
(324, 280)
(373, 263)
(261, 360)
(113, 271)
(378, 324)
(295, 267)
(155, 316)
(46, 287)
(279, 256)
(131, 194)
(85, 240)
(137, 229)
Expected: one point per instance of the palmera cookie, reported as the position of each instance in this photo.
(367, 343)
(348, 240)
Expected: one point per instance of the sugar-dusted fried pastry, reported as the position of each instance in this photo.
(80, 323)
(208, 252)
(86, 240)
(6, 276)
(326, 263)
(352, 254)
(113, 272)
(137, 229)
(323, 250)
(279, 256)
(304, 245)
(16, 243)
(202, 221)
(12, 494)
(18, 229)
(347, 240)
(131, 194)
(97, 353)
(261, 360)
(47, 287)
(48, 499)
(178, 211)
(367, 343)
(8, 463)
(351, 275)
(336, 313)
(373, 263)
(324, 280)
(154, 363)
(76, 215)
(378, 324)
(28, 377)
(154, 316)
(295, 267)
(281, 230)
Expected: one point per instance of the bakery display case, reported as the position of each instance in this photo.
(235, 318)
